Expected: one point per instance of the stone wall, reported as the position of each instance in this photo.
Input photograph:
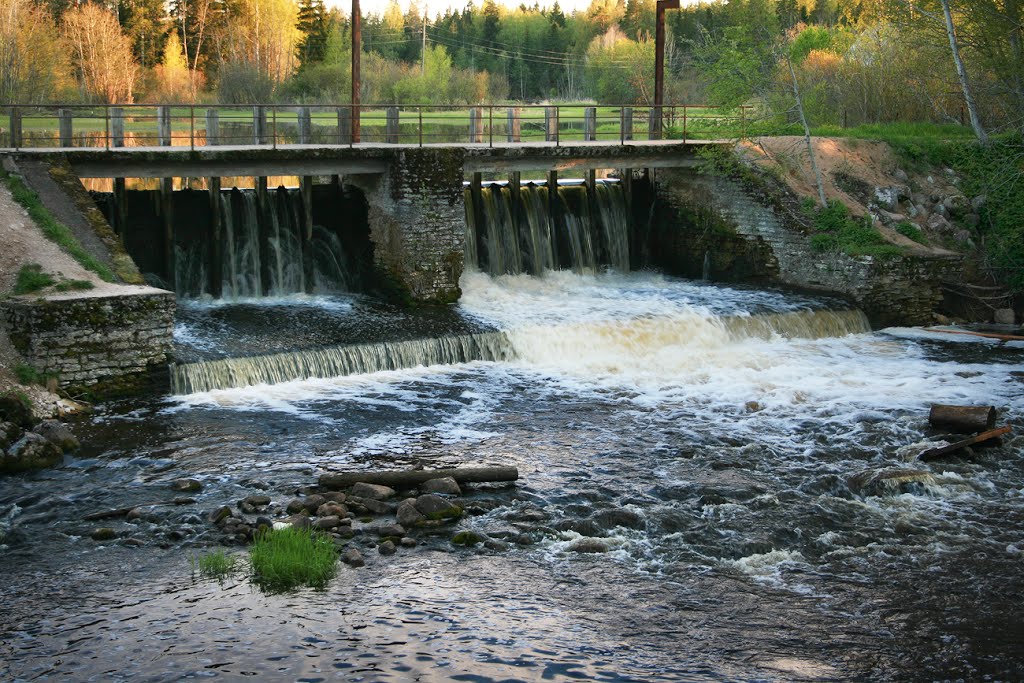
(102, 343)
(703, 213)
(417, 219)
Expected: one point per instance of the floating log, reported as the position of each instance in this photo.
(408, 478)
(945, 450)
(962, 419)
(987, 335)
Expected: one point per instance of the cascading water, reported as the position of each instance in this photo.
(539, 233)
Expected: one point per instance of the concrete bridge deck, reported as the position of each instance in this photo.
(368, 158)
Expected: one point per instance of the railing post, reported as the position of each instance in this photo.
(590, 123)
(490, 125)
(558, 121)
(15, 127)
(550, 124)
(514, 124)
(344, 125)
(106, 127)
(305, 120)
(273, 131)
(64, 126)
(476, 125)
(163, 125)
(117, 127)
(684, 122)
(419, 115)
(192, 126)
(259, 125)
(654, 124)
(391, 126)
(212, 126)
(627, 123)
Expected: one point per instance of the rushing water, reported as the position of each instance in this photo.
(707, 435)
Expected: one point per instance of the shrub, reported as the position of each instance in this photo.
(31, 278)
(910, 230)
(837, 230)
(287, 558)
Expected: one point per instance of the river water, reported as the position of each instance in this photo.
(707, 435)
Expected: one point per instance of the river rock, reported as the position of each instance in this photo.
(353, 558)
(57, 433)
(407, 514)
(956, 205)
(620, 517)
(468, 538)
(332, 509)
(938, 223)
(334, 496)
(9, 433)
(588, 545)
(294, 506)
(187, 485)
(256, 501)
(407, 542)
(396, 530)
(328, 522)
(433, 506)
(219, 515)
(104, 533)
(312, 503)
(1005, 316)
(372, 491)
(387, 548)
(14, 409)
(891, 481)
(299, 521)
(377, 507)
(30, 452)
(444, 485)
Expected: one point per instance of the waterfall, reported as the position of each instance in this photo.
(571, 229)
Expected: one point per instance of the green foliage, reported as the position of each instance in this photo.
(74, 285)
(910, 230)
(217, 564)
(31, 278)
(27, 374)
(836, 230)
(810, 39)
(54, 230)
(287, 558)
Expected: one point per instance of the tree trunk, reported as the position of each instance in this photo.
(962, 419)
(972, 109)
(807, 134)
(409, 478)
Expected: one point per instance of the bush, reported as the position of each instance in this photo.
(287, 558)
(912, 231)
(243, 83)
(31, 278)
(837, 230)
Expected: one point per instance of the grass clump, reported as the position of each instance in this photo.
(283, 559)
(216, 564)
(908, 229)
(31, 278)
(836, 230)
(54, 230)
(74, 285)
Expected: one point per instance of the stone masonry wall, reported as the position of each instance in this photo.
(417, 219)
(901, 290)
(100, 343)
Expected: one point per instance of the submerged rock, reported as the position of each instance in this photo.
(186, 485)
(104, 533)
(468, 538)
(893, 481)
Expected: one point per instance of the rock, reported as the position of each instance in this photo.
(257, 501)
(220, 515)
(334, 497)
(938, 223)
(396, 530)
(407, 514)
(433, 506)
(372, 491)
(312, 503)
(14, 409)
(294, 506)
(1005, 316)
(979, 202)
(588, 545)
(387, 548)
(30, 452)
(889, 197)
(104, 533)
(890, 218)
(298, 522)
(332, 509)
(891, 481)
(583, 527)
(620, 517)
(407, 542)
(377, 507)
(186, 485)
(901, 175)
(58, 434)
(328, 522)
(9, 433)
(912, 210)
(957, 205)
(964, 238)
(468, 538)
(444, 485)
(353, 558)
(495, 544)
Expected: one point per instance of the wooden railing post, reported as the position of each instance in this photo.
(212, 126)
(515, 124)
(391, 127)
(627, 123)
(259, 125)
(476, 125)
(15, 127)
(344, 125)
(590, 123)
(163, 126)
(116, 127)
(305, 119)
(550, 124)
(654, 124)
(64, 126)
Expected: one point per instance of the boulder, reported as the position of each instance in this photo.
(938, 223)
(329, 522)
(332, 509)
(1005, 316)
(888, 197)
(588, 545)
(313, 502)
(444, 485)
(957, 205)
(17, 410)
(58, 434)
(257, 501)
(468, 538)
(30, 452)
(433, 506)
(104, 533)
(353, 558)
(387, 548)
(187, 485)
(377, 507)
(220, 515)
(407, 515)
(9, 433)
(396, 530)
(372, 491)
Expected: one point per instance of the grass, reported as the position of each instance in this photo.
(31, 278)
(910, 230)
(217, 564)
(74, 285)
(837, 230)
(283, 559)
(54, 230)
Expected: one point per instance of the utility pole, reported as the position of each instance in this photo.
(659, 63)
(423, 50)
(357, 47)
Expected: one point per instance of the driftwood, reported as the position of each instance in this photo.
(944, 450)
(409, 478)
(987, 335)
(962, 419)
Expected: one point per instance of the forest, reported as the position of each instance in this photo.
(856, 61)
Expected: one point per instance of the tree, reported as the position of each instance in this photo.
(175, 81)
(313, 26)
(33, 62)
(143, 22)
(101, 53)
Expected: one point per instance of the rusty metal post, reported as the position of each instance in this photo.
(357, 46)
(659, 63)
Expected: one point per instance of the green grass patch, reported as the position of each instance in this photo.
(27, 374)
(283, 559)
(74, 286)
(836, 230)
(910, 230)
(217, 564)
(53, 229)
(31, 278)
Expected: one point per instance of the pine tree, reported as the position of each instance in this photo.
(314, 27)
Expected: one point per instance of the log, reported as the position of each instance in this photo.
(987, 335)
(933, 453)
(962, 419)
(409, 478)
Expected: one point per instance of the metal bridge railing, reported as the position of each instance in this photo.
(277, 125)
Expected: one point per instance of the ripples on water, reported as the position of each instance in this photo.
(708, 449)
